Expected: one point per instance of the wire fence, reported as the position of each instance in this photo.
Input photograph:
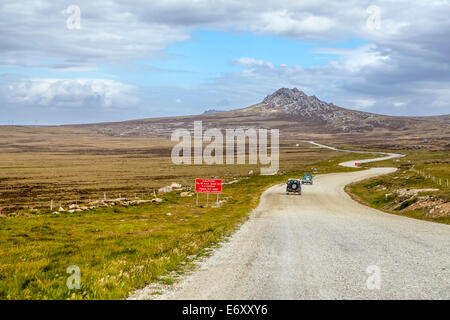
(442, 181)
(71, 203)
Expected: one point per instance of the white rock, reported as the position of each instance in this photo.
(165, 189)
(186, 194)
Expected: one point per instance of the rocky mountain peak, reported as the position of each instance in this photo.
(295, 100)
(285, 94)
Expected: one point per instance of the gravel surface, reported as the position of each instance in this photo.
(319, 246)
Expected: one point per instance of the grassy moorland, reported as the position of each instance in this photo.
(120, 249)
(418, 189)
(68, 165)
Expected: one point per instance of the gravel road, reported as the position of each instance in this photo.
(323, 245)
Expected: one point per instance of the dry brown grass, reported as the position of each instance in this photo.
(68, 164)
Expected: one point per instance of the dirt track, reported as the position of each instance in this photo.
(319, 246)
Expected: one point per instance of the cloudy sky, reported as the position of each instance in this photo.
(132, 59)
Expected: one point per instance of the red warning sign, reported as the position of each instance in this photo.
(208, 185)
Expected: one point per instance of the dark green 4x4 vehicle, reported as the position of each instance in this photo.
(294, 186)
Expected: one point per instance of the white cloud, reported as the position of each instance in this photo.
(368, 77)
(289, 23)
(356, 59)
(80, 93)
(116, 30)
(111, 32)
(251, 62)
(363, 103)
(406, 60)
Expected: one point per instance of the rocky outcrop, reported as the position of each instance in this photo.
(294, 100)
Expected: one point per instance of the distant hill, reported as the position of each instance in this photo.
(298, 115)
(212, 111)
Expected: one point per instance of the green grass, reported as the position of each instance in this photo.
(405, 204)
(116, 249)
(380, 192)
(121, 249)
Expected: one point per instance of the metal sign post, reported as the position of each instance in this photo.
(208, 186)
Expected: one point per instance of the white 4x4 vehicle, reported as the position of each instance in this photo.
(294, 186)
